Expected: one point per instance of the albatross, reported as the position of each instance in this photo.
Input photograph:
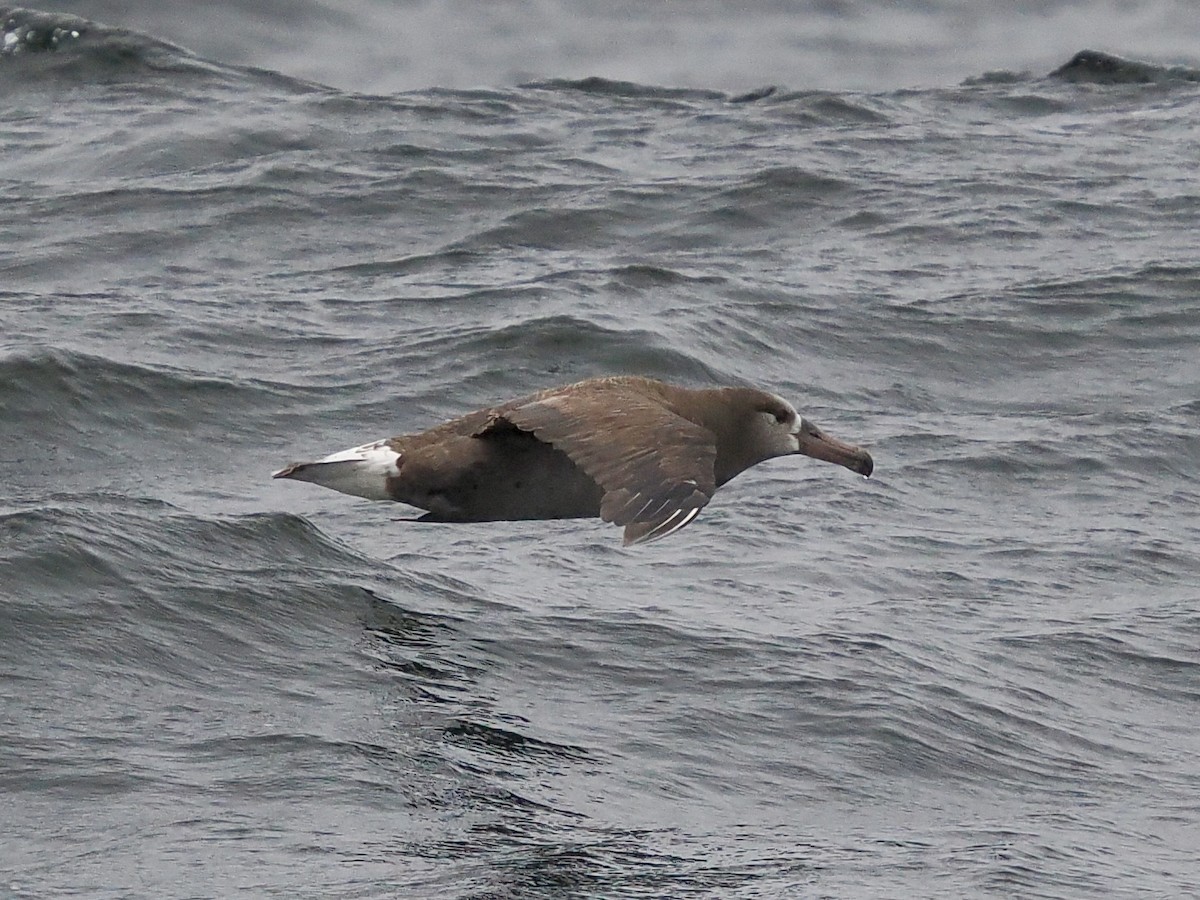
(639, 453)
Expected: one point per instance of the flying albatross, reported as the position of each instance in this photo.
(636, 452)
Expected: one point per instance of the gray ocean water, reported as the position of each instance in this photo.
(236, 235)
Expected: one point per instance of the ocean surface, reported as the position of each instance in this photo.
(237, 234)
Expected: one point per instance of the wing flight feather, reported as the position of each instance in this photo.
(656, 468)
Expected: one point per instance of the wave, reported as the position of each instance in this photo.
(1097, 67)
(73, 46)
(108, 589)
(30, 31)
(1092, 67)
(39, 47)
(78, 392)
(608, 87)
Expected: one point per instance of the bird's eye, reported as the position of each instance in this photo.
(781, 417)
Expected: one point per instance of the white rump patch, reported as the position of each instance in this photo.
(377, 452)
(360, 471)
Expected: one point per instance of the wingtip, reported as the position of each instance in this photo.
(631, 535)
(646, 532)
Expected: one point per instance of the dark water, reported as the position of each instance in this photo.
(975, 675)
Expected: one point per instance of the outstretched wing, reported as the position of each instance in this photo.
(655, 467)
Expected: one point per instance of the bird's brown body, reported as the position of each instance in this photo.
(633, 451)
(504, 475)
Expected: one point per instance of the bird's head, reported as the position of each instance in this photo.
(781, 431)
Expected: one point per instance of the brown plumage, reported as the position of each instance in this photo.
(636, 452)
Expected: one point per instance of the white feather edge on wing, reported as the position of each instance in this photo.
(670, 525)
